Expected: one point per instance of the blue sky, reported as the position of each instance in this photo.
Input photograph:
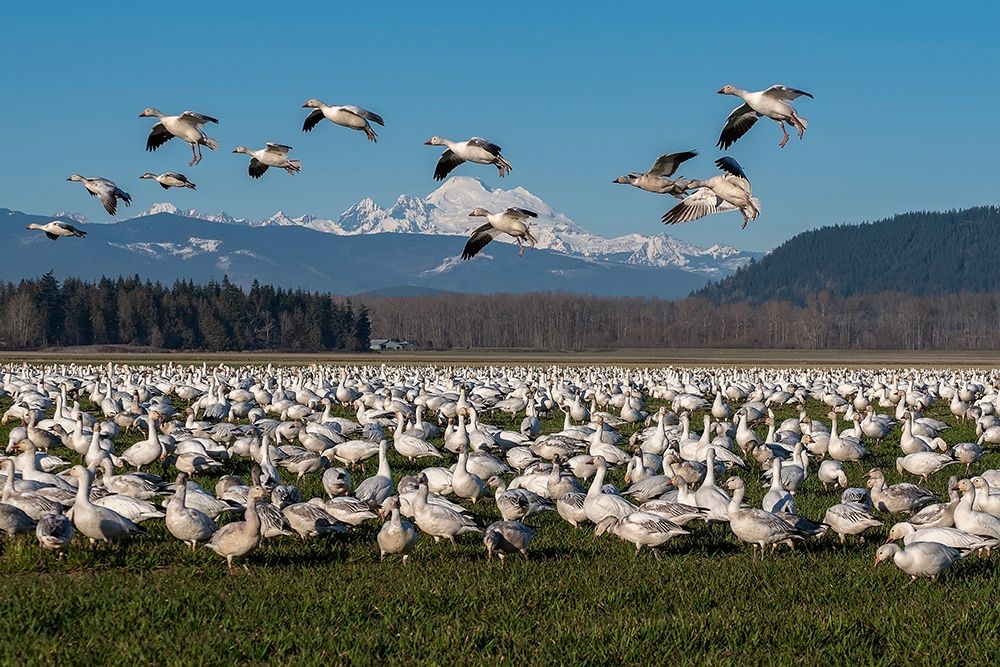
(904, 116)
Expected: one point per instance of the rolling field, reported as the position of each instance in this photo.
(577, 600)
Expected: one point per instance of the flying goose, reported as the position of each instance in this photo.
(105, 190)
(170, 179)
(349, 116)
(476, 150)
(725, 192)
(272, 155)
(773, 103)
(657, 178)
(187, 126)
(512, 221)
(55, 229)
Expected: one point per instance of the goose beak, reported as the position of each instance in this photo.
(721, 91)
(428, 143)
(305, 106)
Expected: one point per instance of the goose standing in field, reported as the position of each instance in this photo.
(187, 126)
(349, 116)
(476, 150)
(397, 536)
(849, 518)
(730, 191)
(899, 498)
(58, 229)
(105, 190)
(641, 529)
(240, 537)
(758, 528)
(512, 221)
(54, 532)
(96, 522)
(440, 521)
(272, 155)
(507, 537)
(773, 103)
(919, 559)
(170, 179)
(186, 523)
(657, 179)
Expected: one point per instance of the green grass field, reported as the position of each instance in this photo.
(577, 600)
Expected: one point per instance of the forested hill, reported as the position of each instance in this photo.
(913, 253)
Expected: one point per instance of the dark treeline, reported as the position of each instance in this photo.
(215, 317)
(544, 321)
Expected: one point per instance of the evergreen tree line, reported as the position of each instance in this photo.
(214, 317)
(547, 321)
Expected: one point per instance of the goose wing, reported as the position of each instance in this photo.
(730, 166)
(312, 120)
(520, 213)
(197, 118)
(106, 194)
(256, 168)
(785, 93)
(700, 203)
(666, 165)
(446, 164)
(364, 113)
(280, 149)
(486, 145)
(480, 239)
(157, 137)
(739, 123)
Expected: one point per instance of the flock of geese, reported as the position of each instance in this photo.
(727, 191)
(279, 425)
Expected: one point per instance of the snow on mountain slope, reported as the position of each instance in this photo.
(446, 211)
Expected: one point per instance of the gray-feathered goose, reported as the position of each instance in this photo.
(57, 229)
(512, 221)
(272, 155)
(348, 116)
(187, 126)
(476, 149)
(725, 192)
(657, 178)
(105, 190)
(170, 179)
(773, 103)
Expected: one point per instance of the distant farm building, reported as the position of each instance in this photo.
(379, 344)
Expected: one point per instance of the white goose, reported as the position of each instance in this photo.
(512, 221)
(105, 190)
(348, 115)
(170, 179)
(730, 191)
(187, 126)
(657, 179)
(272, 155)
(643, 529)
(756, 527)
(396, 536)
(476, 150)
(186, 523)
(773, 103)
(95, 522)
(58, 229)
(919, 559)
(599, 505)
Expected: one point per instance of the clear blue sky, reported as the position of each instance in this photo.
(905, 115)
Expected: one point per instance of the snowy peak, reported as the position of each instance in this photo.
(446, 211)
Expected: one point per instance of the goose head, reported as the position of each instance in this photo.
(76, 178)
(241, 149)
(34, 226)
(148, 175)
(151, 111)
(479, 213)
(727, 90)
(627, 179)
(313, 104)
(434, 141)
(885, 552)
(734, 483)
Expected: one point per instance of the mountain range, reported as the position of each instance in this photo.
(411, 243)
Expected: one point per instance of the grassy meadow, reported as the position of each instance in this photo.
(578, 599)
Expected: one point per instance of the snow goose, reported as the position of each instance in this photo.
(336, 482)
(756, 527)
(950, 537)
(643, 529)
(397, 536)
(105, 190)
(348, 116)
(777, 499)
(34, 505)
(411, 446)
(969, 519)
(440, 521)
(186, 523)
(240, 537)
(831, 473)
(57, 229)
(54, 532)
(898, 498)
(923, 464)
(476, 150)
(599, 505)
(919, 559)
(773, 103)
(170, 179)
(187, 126)
(986, 499)
(657, 178)
(272, 155)
(849, 519)
(95, 522)
(512, 221)
(517, 504)
(507, 537)
(730, 191)
(377, 488)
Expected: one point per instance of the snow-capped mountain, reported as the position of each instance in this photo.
(446, 211)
